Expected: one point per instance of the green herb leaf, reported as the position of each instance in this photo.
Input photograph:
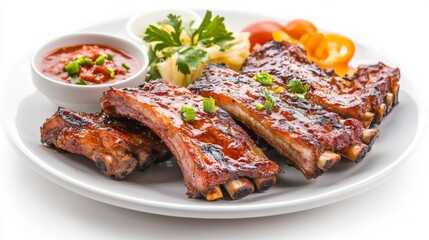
(264, 78)
(209, 105)
(166, 44)
(213, 32)
(296, 87)
(190, 58)
(162, 37)
(72, 68)
(188, 113)
(153, 72)
(176, 23)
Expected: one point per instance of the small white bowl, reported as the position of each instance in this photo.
(138, 24)
(85, 98)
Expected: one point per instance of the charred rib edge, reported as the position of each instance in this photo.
(367, 119)
(355, 152)
(370, 135)
(239, 188)
(327, 159)
(263, 184)
(389, 102)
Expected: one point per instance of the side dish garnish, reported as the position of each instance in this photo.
(178, 51)
(209, 105)
(188, 113)
(296, 87)
(264, 78)
(327, 50)
(89, 64)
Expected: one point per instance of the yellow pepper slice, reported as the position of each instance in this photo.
(281, 36)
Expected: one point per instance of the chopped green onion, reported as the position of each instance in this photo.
(299, 95)
(264, 78)
(269, 102)
(125, 66)
(109, 57)
(209, 105)
(81, 82)
(99, 61)
(259, 107)
(110, 72)
(279, 89)
(269, 105)
(84, 60)
(72, 68)
(188, 113)
(78, 81)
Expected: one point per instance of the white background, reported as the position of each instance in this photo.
(32, 207)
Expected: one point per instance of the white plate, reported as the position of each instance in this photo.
(160, 189)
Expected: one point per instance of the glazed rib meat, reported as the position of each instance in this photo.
(211, 150)
(306, 134)
(116, 146)
(359, 97)
(383, 82)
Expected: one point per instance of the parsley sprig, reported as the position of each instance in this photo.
(164, 44)
(296, 87)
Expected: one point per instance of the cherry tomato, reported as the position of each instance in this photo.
(299, 27)
(262, 32)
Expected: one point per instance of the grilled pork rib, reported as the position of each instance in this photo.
(116, 146)
(304, 133)
(211, 150)
(146, 144)
(360, 99)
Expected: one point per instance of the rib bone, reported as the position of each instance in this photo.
(239, 188)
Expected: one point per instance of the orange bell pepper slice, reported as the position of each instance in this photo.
(328, 50)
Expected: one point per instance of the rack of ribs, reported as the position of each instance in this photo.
(368, 95)
(307, 135)
(212, 150)
(116, 145)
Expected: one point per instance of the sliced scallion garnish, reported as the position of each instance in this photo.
(84, 60)
(110, 72)
(72, 68)
(99, 61)
(77, 81)
(188, 113)
(109, 57)
(264, 78)
(269, 102)
(125, 66)
(259, 107)
(209, 105)
(81, 82)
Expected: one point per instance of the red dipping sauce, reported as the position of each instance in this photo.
(116, 65)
